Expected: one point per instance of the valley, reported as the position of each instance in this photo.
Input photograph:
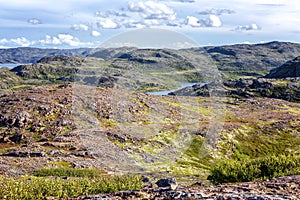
(100, 110)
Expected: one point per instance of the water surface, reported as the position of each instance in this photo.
(9, 65)
(182, 85)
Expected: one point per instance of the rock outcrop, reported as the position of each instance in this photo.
(289, 69)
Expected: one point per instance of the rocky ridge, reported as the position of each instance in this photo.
(25, 55)
(240, 60)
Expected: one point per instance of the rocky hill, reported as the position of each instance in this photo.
(153, 69)
(240, 60)
(281, 83)
(233, 61)
(286, 89)
(141, 73)
(32, 55)
(289, 69)
(252, 60)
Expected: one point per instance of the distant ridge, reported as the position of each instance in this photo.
(32, 55)
(233, 61)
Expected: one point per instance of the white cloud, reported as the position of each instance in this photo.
(152, 10)
(110, 13)
(34, 21)
(107, 24)
(151, 22)
(211, 21)
(131, 23)
(4, 41)
(215, 11)
(182, 45)
(62, 39)
(80, 27)
(20, 41)
(95, 33)
(59, 40)
(193, 21)
(247, 27)
(4, 47)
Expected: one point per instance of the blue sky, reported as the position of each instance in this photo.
(89, 23)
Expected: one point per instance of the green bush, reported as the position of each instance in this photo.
(225, 171)
(42, 187)
(69, 172)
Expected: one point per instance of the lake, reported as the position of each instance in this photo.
(166, 92)
(9, 65)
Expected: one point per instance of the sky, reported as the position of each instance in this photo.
(173, 23)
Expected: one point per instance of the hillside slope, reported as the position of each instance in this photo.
(120, 130)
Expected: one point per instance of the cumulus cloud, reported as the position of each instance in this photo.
(34, 21)
(247, 27)
(193, 21)
(152, 10)
(211, 21)
(80, 27)
(138, 14)
(95, 33)
(217, 12)
(4, 41)
(62, 39)
(131, 23)
(183, 45)
(21, 41)
(151, 22)
(59, 40)
(107, 24)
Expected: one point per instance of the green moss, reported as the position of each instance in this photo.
(258, 140)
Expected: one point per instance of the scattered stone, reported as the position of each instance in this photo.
(167, 183)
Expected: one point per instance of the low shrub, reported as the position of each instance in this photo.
(55, 187)
(225, 171)
(69, 172)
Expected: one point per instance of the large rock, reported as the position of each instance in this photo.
(170, 183)
(289, 69)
